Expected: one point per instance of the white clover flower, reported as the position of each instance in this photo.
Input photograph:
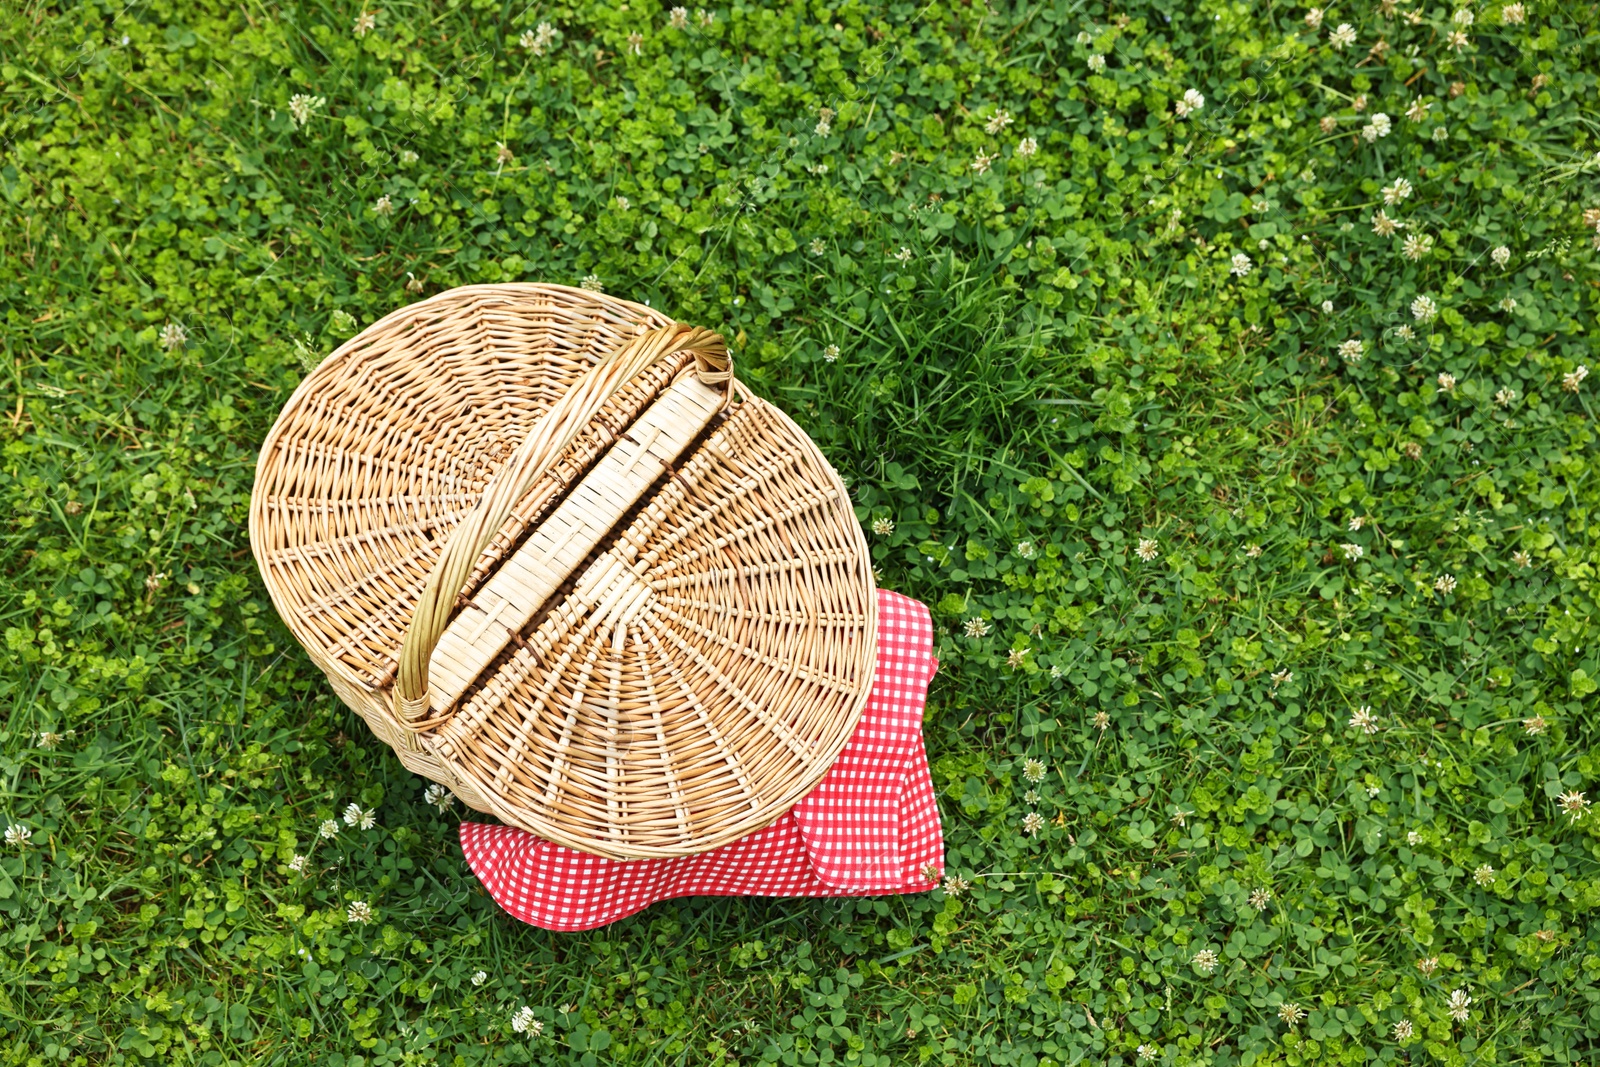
(1440, 133)
(830, 353)
(1383, 225)
(1521, 558)
(1534, 726)
(408, 157)
(998, 121)
(1428, 966)
(1458, 1004)
(1573, 805)
(1513, 14)
(523, 1022)
(1033, 770)
(1280, 677)
(1327, 307)
(1457, 40)
(1418, 111)
(1413, 838)
(383, 207)
(301, 106)
(824, 121)
(1148, 549)
(479, 977)
(1100, 720)
(903, 256)
(1350, 351)
(882, 526)
(1190, 102)
(1463, 18)
(1417, 245)
(438, 796)
(591, 282)
(1342, 37)
(1405, 333)
(365, 23)
(359, 911)
(538, 39)
(1501, 256)
(1084, 37)
(817, 247)
(1025, 549)
(1423, 309)
(954, 886)
(636, 43)
(1314, 18)
(328, 829)
(352, 814)
(298, 863)
(369, 819)
(1241, 265)
(1352, 551)
(1204, 961)
(1027, 147)
(17, 835)
(1572, 380)
(173, 335)
(1364, 720)
(49, 740)
(704, 18)
(1402, 1030)
(678, 18)
(1031, 796)
(1097, 62)
(1252, 550)
(1508, 304)
(1504, 398)
(1356, 522)
(1393, 194)
(1377, 126)
(1291, 1013)
(1260, 897)
(976, 626)
(1147, 1053)
(982, 162)
(1445, 583)
(1032, 823)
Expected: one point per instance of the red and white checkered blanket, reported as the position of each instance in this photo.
(870, 827)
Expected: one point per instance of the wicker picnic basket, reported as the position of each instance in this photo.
(563, 563)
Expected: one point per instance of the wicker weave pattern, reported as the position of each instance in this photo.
(652, 637)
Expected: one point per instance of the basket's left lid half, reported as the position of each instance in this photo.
(388, 444)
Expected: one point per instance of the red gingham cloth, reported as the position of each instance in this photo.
(871, 826)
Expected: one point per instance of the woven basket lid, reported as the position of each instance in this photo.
(564, 563)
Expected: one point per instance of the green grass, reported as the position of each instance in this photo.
(1063, 363)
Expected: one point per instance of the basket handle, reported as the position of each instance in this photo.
(546, 441)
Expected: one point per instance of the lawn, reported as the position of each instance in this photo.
(1216, 372)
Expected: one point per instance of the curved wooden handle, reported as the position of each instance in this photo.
(550, 436)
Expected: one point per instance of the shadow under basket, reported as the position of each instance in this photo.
(564, 563)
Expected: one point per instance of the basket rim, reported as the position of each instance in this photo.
(461, 300)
